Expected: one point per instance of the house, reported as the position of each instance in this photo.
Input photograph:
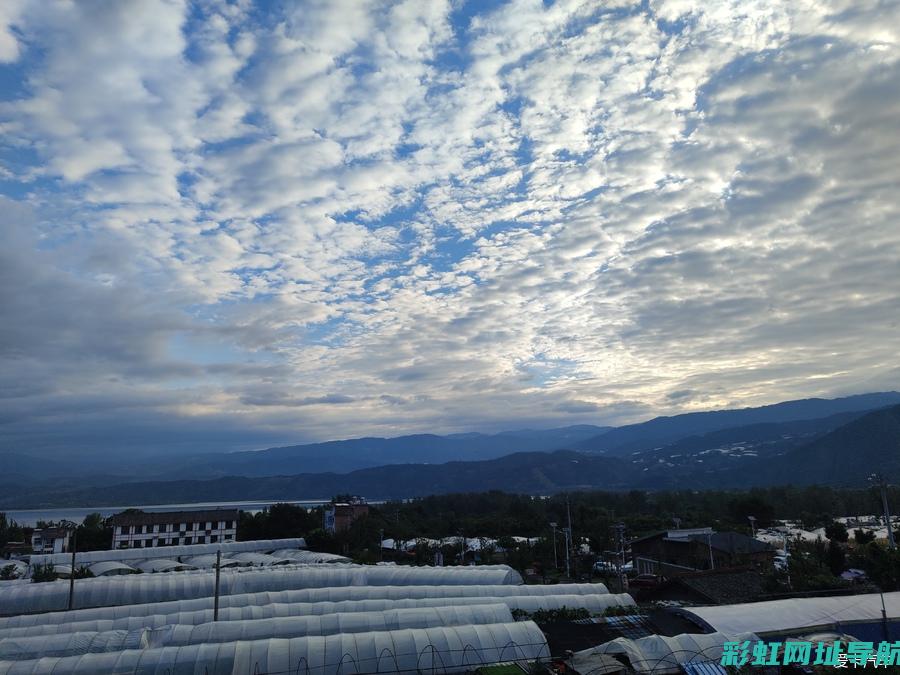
(727, 585)
(339, 516)
(139, 529)
(50, 540)
(678, 551)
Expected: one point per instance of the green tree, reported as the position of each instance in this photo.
(863, 537)
(41, 573)
(837, 531)
(94, 534)
(836, 558)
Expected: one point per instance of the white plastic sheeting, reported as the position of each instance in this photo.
(784, 616)
(146, 588)
(208, 561)
(314, 595)
(71, 644)
(259, 559)
(110, 568)
(162, 565)
(439, 650)
(596, 604)
(657, 654)
(89, 557)
(311, 557)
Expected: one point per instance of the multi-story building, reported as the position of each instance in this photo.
(340, 515)
(139, 529)
(50, 540)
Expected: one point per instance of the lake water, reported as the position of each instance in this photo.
(30, 517)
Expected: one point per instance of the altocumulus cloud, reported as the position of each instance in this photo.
(229, 224)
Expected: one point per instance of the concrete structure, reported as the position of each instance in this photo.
(678, 551)
(139, 529)
(50, 540)
(340, 516)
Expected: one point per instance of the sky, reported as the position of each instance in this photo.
(229, 225)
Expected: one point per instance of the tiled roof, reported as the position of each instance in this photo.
(165, 517)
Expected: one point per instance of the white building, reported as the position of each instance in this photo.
(139, 529)
(50, 540)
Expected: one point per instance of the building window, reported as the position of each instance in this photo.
(201, 539)
(214, 539)
(188, 540)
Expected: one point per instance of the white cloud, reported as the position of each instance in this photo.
(399, 219)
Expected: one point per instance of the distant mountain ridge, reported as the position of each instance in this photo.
(843, 456)
(660, 431)
(714, 447)
(359, 453)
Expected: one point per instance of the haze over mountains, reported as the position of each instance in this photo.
(809, 441)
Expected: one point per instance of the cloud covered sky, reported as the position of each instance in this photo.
(233, 224)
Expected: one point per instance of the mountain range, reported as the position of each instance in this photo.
(837, 442)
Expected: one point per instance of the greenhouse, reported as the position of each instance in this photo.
(89, 557)
(775, 617)
(259, 559)
(303, 595)
(445, 649)
(147, 588)
(310, 557)
(596, 604)
(72, 644)
(660, 655)
(314, 595)
(110, 568)
(163, 565)
(207, 561)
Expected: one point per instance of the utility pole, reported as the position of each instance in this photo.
(619, 529)
(74, 528)
(555, 563)
(752, 520)
(218, 570)
(712, 563)
(568, 534)
(381, 545)
(879, 480)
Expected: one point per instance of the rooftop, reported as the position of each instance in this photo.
(165, 517)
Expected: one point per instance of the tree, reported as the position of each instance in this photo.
(742, 508)
(863, 537)
(835, 557)
(41, 573)
(837, 531)
(10, 530)
(94, 534)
